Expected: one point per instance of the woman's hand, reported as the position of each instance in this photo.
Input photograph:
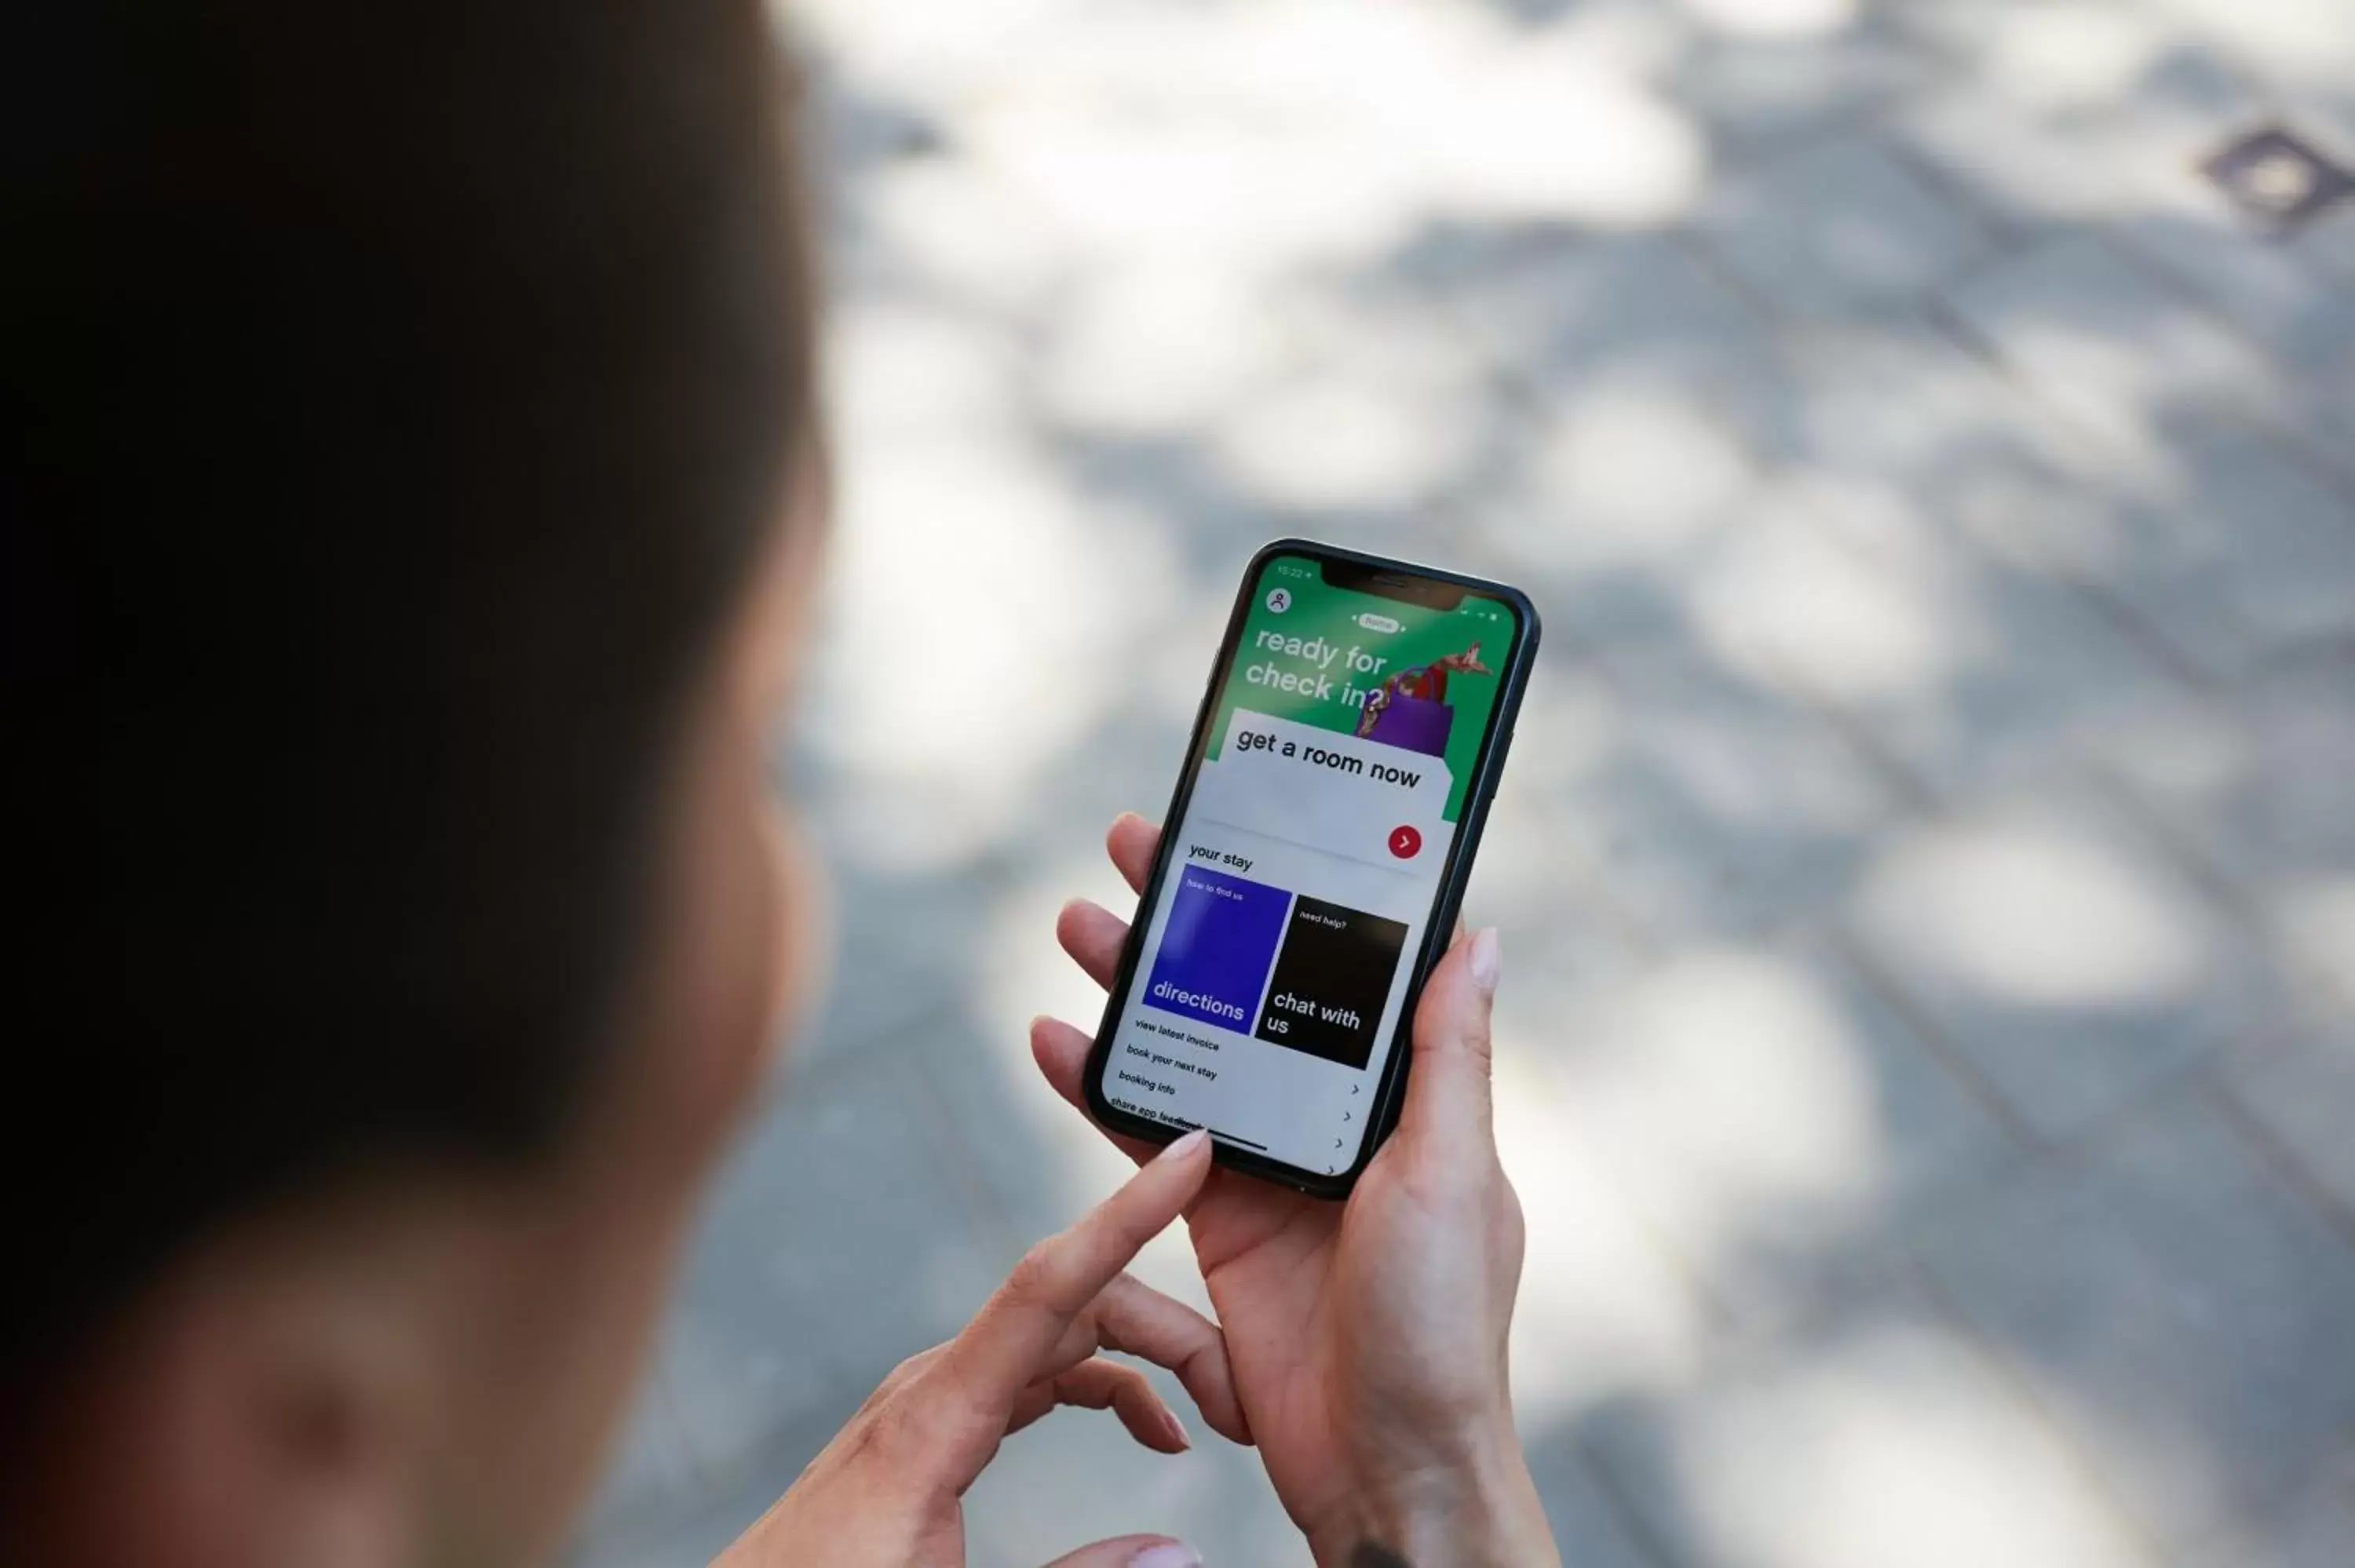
(887, 1492)
(1367, 1340)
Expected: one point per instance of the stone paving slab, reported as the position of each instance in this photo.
(2077, 112)
(1607, 1308)
(2112, 351)
(1877, 1439)
(1762, 93)
(2171, 1295)
(2304, 1099)
(2329, 248)
(1840, 228)
(2229, 550)
(1961, 669)
(2053, 947)
(1698, 801)
(2256, 788)
(1903, 400)
(2316, 1532)
(1767, 1115)
(1562, 310)
(1590, 1528)
(2285, 303)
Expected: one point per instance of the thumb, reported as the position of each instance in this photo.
(1448, 1091)
(1132, 1552)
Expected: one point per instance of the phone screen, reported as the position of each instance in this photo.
(1344, 739)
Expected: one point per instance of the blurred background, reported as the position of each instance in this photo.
(1927, 868)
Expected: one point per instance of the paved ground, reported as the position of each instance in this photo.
(1928, 865)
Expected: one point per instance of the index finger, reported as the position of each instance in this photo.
(1017, 1329)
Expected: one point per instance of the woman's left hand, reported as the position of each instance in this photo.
(887, 1492)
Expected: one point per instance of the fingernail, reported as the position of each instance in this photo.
(1168, 1555)
(1186, 1145)
(1177, 1433)
(1488, 959)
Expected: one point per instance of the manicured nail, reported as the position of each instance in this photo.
(1186, 1145)
(1168, 1555)
(1488, 959)
(1177, 1433)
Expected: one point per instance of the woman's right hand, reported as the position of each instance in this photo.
(886, 1493)
(1368, 1339)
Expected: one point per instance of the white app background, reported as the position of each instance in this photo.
(1324, 824)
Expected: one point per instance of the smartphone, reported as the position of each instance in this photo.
(1312, 861)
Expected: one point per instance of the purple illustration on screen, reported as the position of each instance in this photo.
(1415, 724)
(1409, 709)
(1218, 946)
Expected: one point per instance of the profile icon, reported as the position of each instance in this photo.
(1279, 600)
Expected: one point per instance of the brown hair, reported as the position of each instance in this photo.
(407, 390)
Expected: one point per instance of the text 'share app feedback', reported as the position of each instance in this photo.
(1345, 736)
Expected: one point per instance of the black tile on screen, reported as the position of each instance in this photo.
(1331, 979)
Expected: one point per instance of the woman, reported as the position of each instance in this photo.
(410, 522)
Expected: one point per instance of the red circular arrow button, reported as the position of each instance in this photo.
(1405, 843)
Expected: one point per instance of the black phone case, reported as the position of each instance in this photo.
(1496, 745)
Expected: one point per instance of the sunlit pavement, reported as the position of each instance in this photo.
(1927, 871)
